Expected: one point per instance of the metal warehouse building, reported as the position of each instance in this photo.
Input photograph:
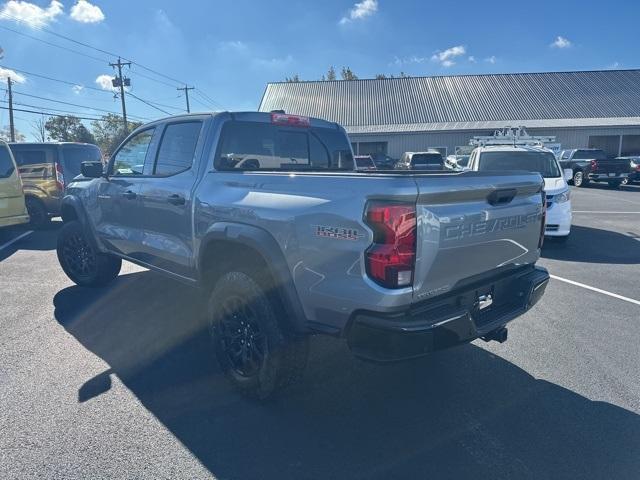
(598, 109)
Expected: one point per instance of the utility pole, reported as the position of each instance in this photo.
(11, 126)
(121, 82)
(186, 95)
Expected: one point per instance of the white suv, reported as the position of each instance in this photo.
(532, 159)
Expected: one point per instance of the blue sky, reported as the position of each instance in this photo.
(230, 49)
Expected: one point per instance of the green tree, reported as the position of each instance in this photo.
(5, 134)
(67, 128)
(109, 132)
(331, 73)
(380, 76)
(293, 79)
(347, 74)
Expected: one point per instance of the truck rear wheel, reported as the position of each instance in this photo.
(81, 261)
(254, 348)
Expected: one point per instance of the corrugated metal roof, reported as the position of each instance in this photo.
(465, 102)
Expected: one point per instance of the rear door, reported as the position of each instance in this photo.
(166, 196)
(11, 195)
(119, 223)
(472, 224)
(72, 156)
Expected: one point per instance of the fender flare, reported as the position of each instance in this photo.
(73, 202)
(266, 245)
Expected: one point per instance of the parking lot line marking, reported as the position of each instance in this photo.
(10, 242)
(594, 289)
(600, 211)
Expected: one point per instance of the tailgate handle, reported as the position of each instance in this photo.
(502, 197)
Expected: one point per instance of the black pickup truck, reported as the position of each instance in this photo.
(593, 165)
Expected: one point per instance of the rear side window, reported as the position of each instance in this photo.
(6, 164)
(74, 155)
(30, 157)
(177, 148)
(131, 157)
(263, 146)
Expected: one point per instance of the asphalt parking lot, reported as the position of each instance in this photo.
(119, 382)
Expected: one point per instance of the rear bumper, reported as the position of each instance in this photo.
(442, 323)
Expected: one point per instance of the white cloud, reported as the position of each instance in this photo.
(408, 60)
(446, 57)
(104, 82)
(360, 10)
(77, 89)
(472, 59)
(492, 59)
(85, 12)
(561, 42)
(276, 62)
(30, 13)
(16, 77)
(232, 45)
(614, 66)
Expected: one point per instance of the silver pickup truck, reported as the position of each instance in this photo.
(266, 214)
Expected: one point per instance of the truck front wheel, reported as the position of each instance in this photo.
(254, 348)
(80, 260)
(580, 179)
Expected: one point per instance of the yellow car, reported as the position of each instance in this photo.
(13, 210)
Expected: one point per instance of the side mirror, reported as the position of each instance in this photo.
(91, 169)
(568, 174)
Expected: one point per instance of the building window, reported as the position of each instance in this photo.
(630, 145)
(372, 148)
(610, 144)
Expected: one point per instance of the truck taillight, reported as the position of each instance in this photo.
(543, 225)
(59, 176)
(594, 164)
(390, 260)
(290, 120)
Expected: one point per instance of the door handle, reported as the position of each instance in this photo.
(176, 199)
(129, 195)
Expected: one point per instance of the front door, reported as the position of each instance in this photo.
(119, 223)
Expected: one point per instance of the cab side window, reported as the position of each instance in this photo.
(177, 148)
(131, 157)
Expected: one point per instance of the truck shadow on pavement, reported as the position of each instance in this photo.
(593, 245)
(462, 413)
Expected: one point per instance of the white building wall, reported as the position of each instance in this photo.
(398, 143)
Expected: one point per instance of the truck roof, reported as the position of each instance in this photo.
(249, 116)
(513, 148)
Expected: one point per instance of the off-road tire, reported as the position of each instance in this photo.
(238, 302)
(80, 260)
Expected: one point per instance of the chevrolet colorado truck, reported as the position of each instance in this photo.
(266, 213)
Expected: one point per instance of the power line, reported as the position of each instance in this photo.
(53, 44)
(72, 104)
(37, 75)
(51, 114)
(149, 103)
(208, 98)
(186, 89)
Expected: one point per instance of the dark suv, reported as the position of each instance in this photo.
(45, 169)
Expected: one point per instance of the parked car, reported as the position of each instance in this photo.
(45, 168)
(593, 165)
(383, 162)
(398, 263)
(538, 159)
(364, 162)
(457, 163)
(634, 168)
(429, 160)
(13, 210)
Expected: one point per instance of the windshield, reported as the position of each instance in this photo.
(426, 159)
(589, 154)
(463, 160)
(543, 163)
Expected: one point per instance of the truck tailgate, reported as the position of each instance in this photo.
(474, 223)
